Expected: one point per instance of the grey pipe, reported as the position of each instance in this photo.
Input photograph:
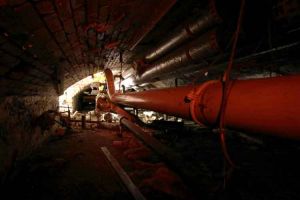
(206, 21)
(198, 49)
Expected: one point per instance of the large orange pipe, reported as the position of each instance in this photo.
(268, 106)
(150, 100)
(168, 101)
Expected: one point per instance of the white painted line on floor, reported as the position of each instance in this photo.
(123, 175)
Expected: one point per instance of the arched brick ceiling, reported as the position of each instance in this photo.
(47, 45)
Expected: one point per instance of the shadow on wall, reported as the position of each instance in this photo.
(22, 127)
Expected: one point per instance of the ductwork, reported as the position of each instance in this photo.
(267, 106)
(196, 50)
(207, 20)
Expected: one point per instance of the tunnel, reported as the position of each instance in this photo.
(150, 99)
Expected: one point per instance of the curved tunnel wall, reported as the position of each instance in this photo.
(22, 127)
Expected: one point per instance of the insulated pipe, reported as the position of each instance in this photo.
(206, 21)
(268, 106)
(199, 48)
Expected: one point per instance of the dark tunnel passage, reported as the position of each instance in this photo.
(157, 99)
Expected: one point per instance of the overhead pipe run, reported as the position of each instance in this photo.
(173, 53)
(267, 106)
(207, 20)
(198, 49)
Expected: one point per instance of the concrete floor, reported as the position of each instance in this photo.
(74, 167)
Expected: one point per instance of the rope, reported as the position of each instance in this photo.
(227, 83)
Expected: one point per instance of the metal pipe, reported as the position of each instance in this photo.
(110, 82)
(268, 106)
(104, 105)
(158, 100)
(163, 151)
(206, 21)
(173, 160)
(200, 48)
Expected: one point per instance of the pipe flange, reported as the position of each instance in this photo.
(196, 102)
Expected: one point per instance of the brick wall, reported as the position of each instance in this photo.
(20, 132)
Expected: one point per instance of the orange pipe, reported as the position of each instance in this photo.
(169, 101)
(104, 105)
(110, 82)
(268, 106)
